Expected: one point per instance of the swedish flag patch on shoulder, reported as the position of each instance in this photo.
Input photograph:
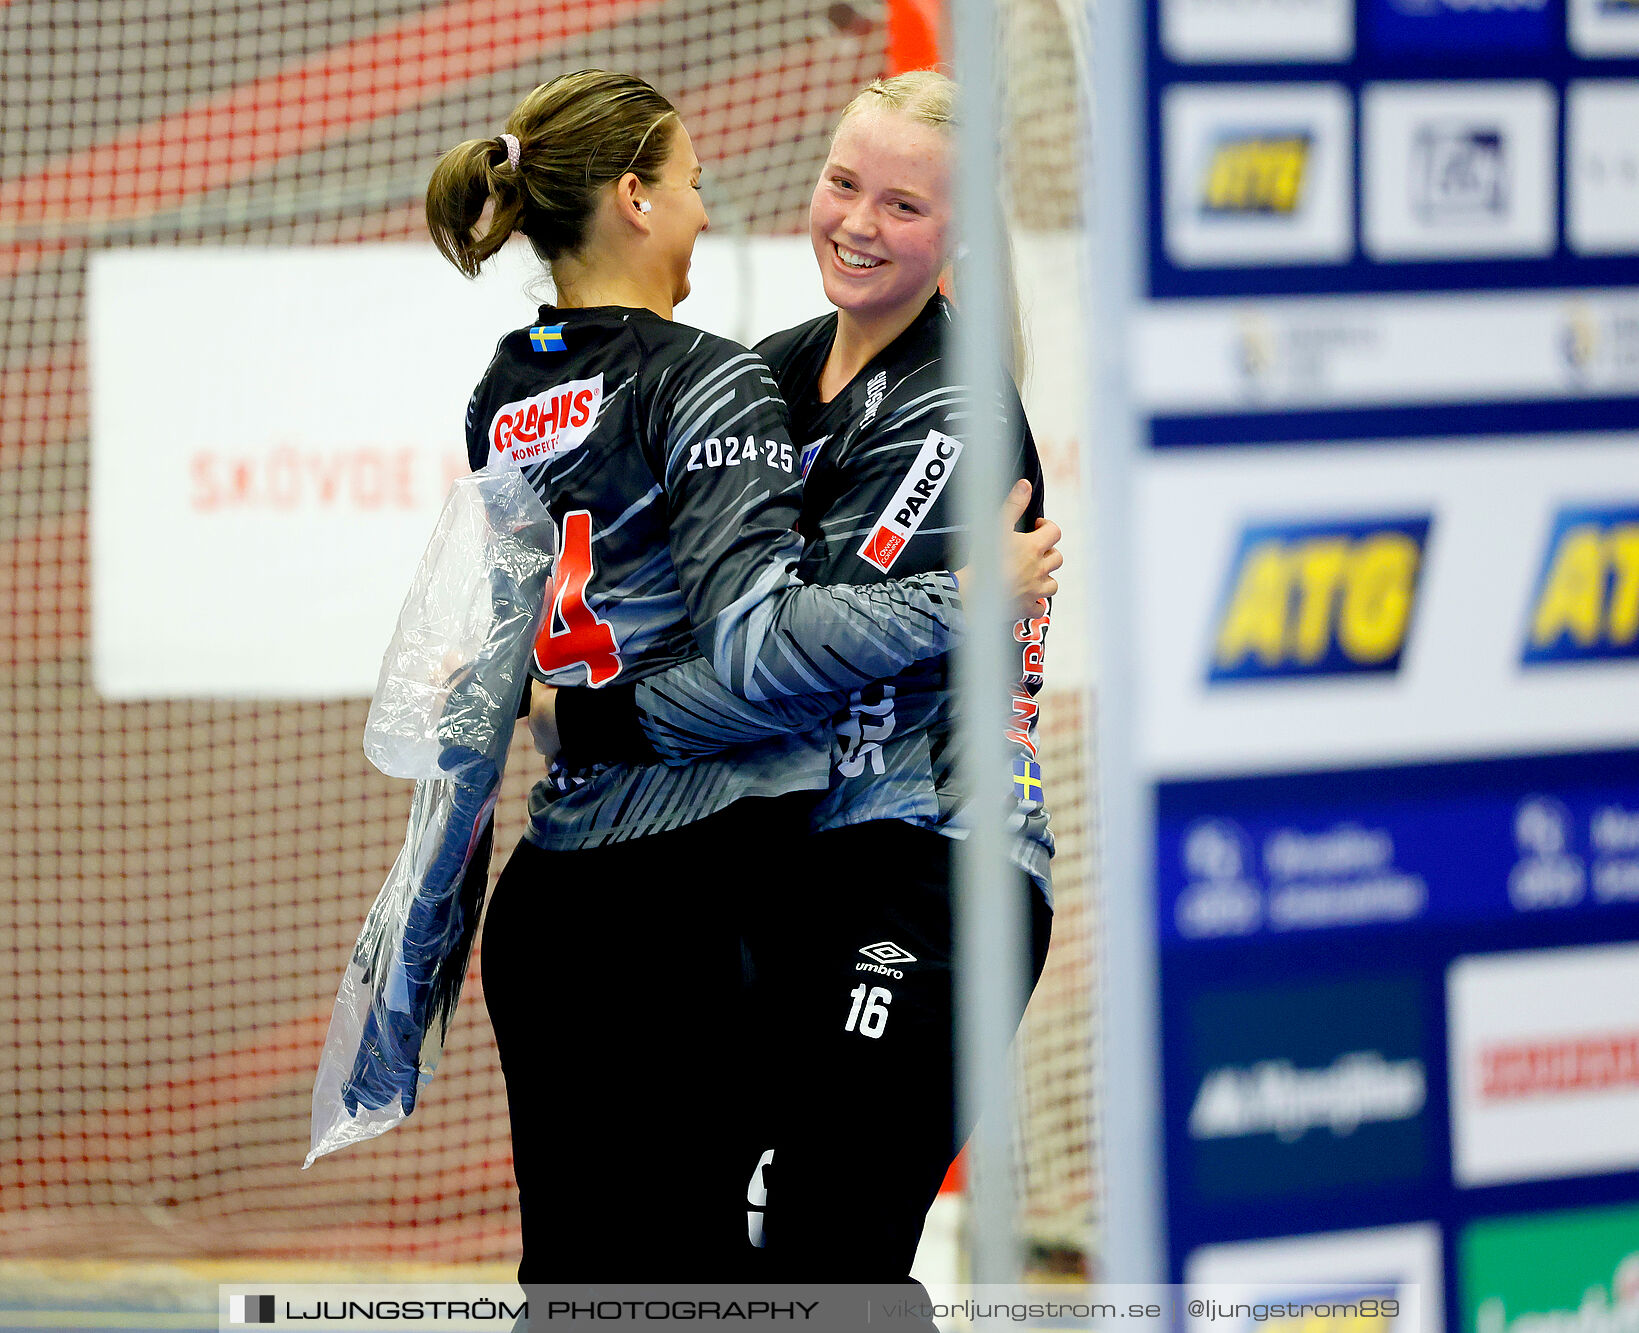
(547, 338)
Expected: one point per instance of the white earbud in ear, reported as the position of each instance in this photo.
(644, 206)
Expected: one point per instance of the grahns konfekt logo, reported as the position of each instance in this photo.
(250, 1309)
(549, 423)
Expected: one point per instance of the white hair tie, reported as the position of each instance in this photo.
(510, 143)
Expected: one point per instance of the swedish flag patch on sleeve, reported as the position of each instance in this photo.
(1027, 781)
(547, 338)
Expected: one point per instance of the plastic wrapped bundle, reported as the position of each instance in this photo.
(449, 695)
(454, 672)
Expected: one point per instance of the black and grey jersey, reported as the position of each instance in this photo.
(664, 458)
(876, 506)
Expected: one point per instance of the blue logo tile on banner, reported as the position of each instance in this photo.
(1318, 599)
(1585, 607)
(1388, 848)
(1313, 1089)
(1458, 26)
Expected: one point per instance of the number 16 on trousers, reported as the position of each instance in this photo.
(869, 1014)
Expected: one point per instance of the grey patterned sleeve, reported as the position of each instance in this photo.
(729, 470)
(686, 712)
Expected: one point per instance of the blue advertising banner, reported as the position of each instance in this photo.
(1312, 854)
(1386, 366)
(1299, 1090)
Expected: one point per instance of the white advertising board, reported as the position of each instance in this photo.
(1256, 175)
(1602, 166)
(1604, 27)
(273, 432)
(1197, 357)
(1458, 170)
(1544, 1063)
(1437, 665)
(1257, 31)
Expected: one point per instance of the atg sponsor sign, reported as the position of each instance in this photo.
(1417, 26)
(1294, 615)
(1319, 599)
(1257, 174)
(1306, 1089)
(1572, 1271)
(1585, 607)
(1544, 1064)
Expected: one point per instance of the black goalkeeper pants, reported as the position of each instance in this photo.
(854, 999)
(615, 982)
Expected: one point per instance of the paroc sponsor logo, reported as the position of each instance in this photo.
(1586, 603)
(1319, 599)
(922, 485)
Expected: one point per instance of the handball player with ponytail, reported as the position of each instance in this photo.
(611, 952)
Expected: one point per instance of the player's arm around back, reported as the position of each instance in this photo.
(723, 451)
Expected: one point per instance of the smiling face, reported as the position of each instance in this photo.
(676, 214)
(880, 216)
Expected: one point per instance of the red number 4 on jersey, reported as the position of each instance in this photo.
(573, 635)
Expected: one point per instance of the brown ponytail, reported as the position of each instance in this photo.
(576, 135)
